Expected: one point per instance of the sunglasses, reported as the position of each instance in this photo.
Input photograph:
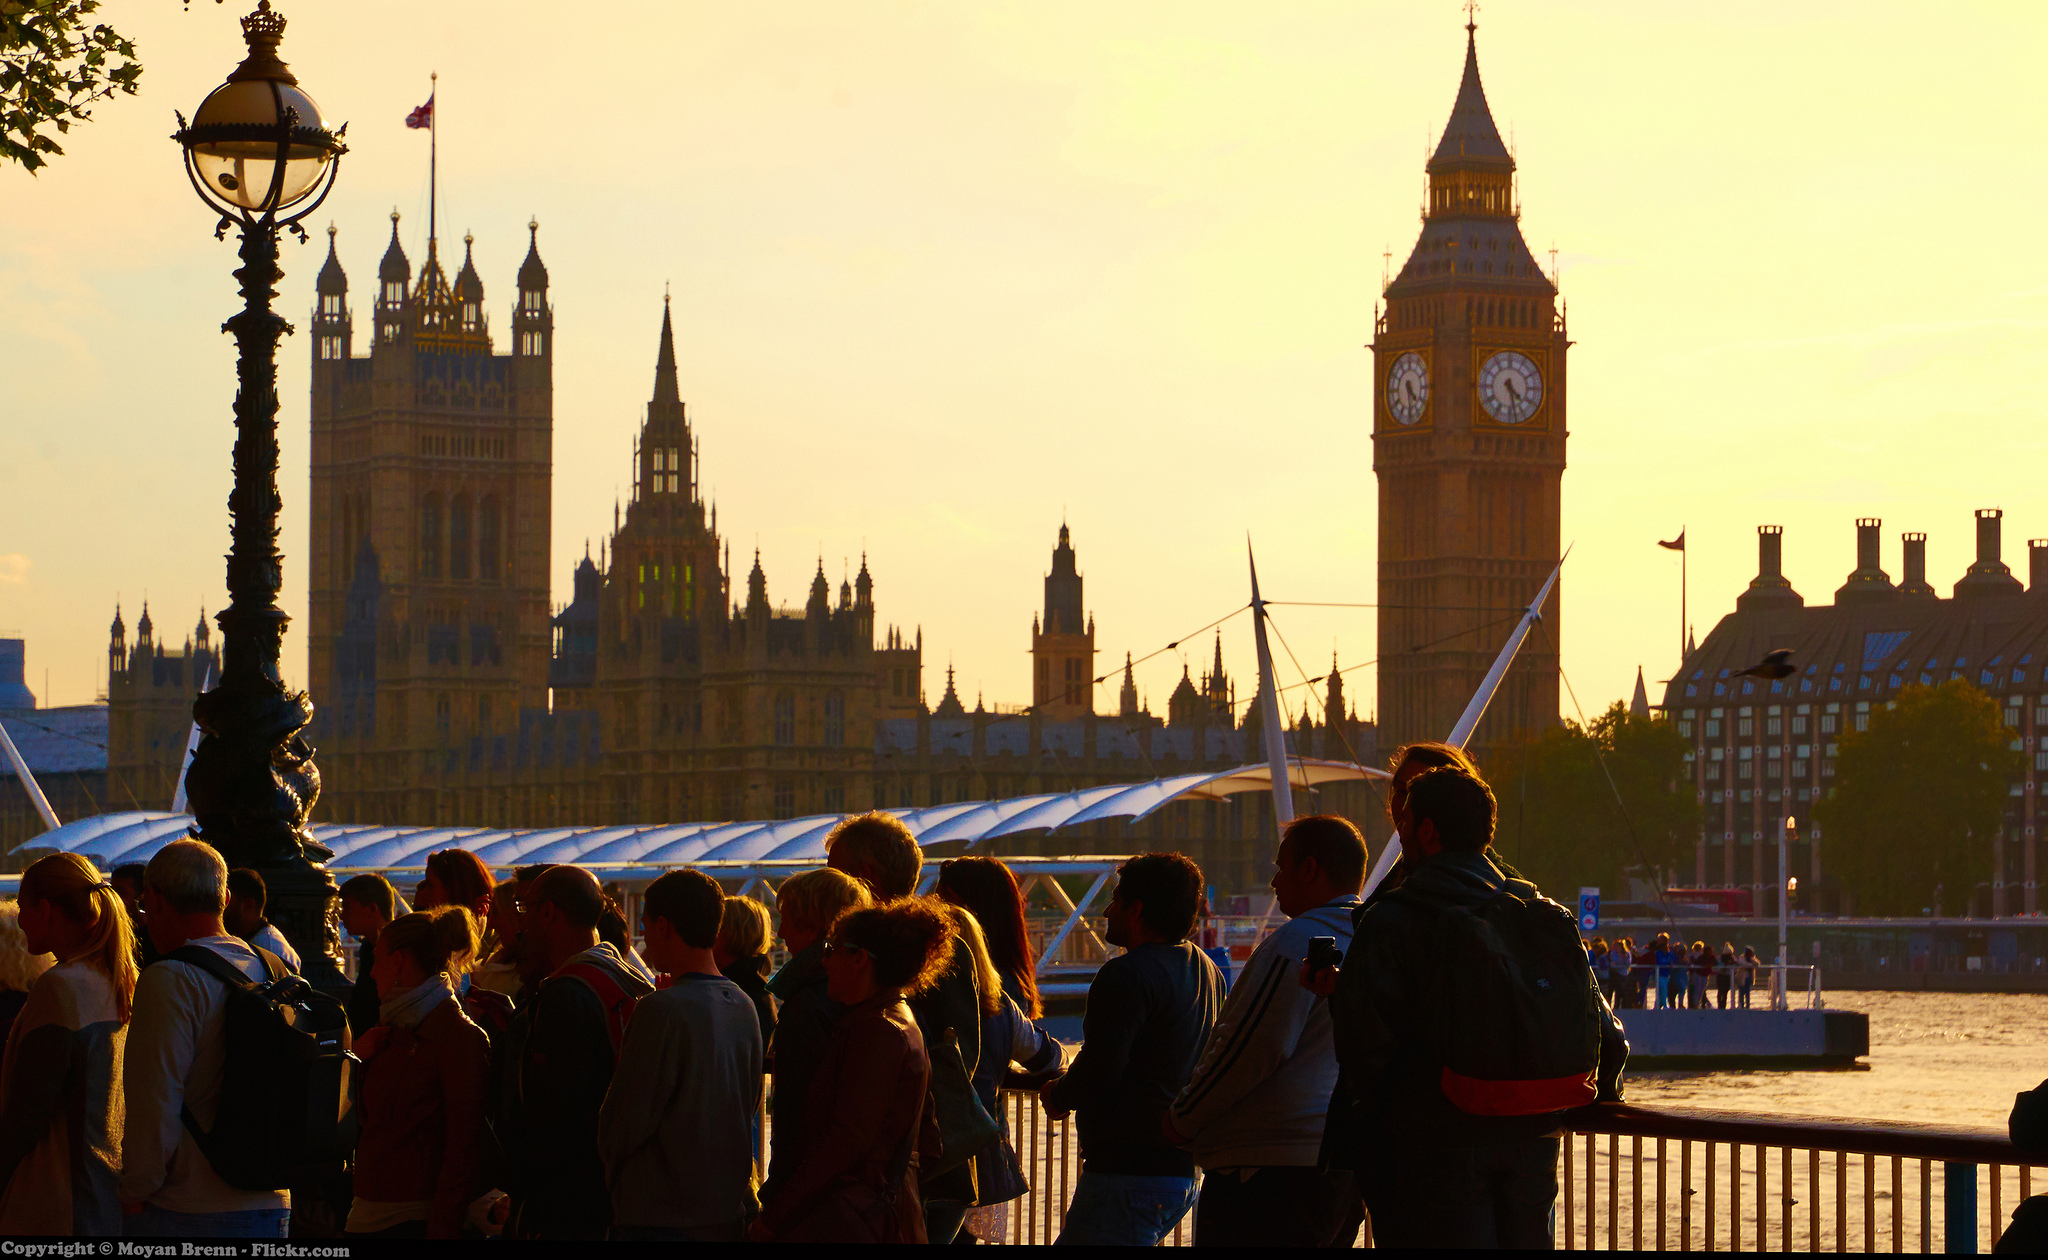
(841, 947)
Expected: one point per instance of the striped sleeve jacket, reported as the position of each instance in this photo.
(1260, 1093)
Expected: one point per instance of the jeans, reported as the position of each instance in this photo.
(1492, 1194)
(156, 1222)
(1122, 1210)
(1277, 1207)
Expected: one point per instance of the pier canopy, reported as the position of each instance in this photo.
(113, 839)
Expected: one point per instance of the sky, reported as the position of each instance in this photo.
(945, 274)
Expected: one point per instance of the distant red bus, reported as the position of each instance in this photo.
(1730, 901)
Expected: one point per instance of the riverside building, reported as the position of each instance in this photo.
(1764, 750)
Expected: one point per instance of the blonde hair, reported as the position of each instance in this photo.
(75, 887)
(744, 930)
(441, 939)
(988, 982)
(19, 968)
(821, 896)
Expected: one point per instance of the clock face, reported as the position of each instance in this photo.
(1510, 387)
(1408, 388)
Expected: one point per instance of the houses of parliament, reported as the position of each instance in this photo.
(669, 688)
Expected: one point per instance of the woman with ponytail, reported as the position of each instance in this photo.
(60, 1084)
(419, 1161)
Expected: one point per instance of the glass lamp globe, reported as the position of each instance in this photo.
(257, 144)
(238, 162)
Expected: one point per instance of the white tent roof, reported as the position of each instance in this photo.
(113, 839)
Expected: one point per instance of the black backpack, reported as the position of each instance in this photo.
(285, 1082)
(1518, 1012)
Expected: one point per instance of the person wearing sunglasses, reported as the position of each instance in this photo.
(864, 1118)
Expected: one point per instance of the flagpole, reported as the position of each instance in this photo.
(433, 155)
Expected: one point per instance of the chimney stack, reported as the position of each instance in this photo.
(1769, 589)
(1869, 583)
(2037, 564)
(1915, 584)
(1988, 576)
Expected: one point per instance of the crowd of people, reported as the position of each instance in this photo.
(1665, 973)
(522, 1070)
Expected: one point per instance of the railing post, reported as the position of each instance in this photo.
(1959, 1209)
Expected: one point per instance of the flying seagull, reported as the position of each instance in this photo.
(1776, 664)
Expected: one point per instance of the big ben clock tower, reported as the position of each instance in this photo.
(1468, 445)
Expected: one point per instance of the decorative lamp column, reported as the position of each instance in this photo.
(257, 154)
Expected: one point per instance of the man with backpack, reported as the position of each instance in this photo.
(184, 1114)
(1466, 1020)
(575, 1026)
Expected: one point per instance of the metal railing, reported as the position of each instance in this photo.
(1685, 1179)
(1768, 982)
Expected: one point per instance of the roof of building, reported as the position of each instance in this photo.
(1470, 137)
(58, 741)
(1870, 648)
(114, 839)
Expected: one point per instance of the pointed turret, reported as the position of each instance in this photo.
(757, 588)
(1639, 703)
(145, 632)
(1333, 703)
(863, 585)
(1127, 699)
(820, 601)
(666, 388)
(533, 273)
(396, 266)
(469, 286)
(949, 704)
(332, 278)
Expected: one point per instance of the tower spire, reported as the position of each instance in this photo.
(666, 388)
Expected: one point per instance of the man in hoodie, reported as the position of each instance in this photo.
(1252, 1114)
(578, 1020)
(1443, 1158)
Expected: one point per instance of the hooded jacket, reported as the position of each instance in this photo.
(565, 1067)
(1382, 1013)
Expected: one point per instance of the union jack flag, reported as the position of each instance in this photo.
(421, 117)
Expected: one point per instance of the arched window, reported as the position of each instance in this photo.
(488, 524)
(458, 538)
(430, 536)
(835, 718)
(785, 718)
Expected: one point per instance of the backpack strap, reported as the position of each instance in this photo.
(611, 995)
(211, 962)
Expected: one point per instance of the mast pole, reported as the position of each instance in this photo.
(1276, 734)
(433, 154)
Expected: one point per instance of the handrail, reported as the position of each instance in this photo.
(1906, 1139)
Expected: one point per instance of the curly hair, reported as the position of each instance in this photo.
(910, 942)
(19, 969)
(882, 842)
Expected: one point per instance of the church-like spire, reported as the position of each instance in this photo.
(666, 388)
(533, 273)
(1470, 139)
(332, 278)
(396, 266)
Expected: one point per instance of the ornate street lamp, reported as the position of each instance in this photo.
(258, 154)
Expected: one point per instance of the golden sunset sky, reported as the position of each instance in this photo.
(946, 272)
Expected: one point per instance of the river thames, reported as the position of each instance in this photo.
(1936, 1058)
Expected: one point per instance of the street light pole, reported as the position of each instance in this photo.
(1785, 882)
(256, 147)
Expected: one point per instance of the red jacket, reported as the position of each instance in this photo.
(421, 1106)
